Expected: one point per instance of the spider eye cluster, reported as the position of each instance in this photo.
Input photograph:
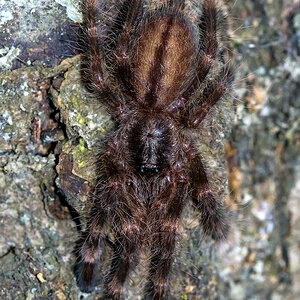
(149, 169)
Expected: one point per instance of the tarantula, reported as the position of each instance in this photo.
(149, 168)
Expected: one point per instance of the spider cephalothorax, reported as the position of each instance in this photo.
(149, 169)
(150, 142)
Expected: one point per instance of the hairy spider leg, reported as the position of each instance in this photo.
(129, 229)
(177, 4)
(212, 94)
(134, 14)
(86, 269)
(165, 211)
(214, 214)
(96, 34)
(192, 114)
(123, 70)
(108, 192)
(208, 45)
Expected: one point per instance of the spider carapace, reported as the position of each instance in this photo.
(147, 66)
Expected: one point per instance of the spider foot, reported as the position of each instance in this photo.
(215, 218)
(114, 290)
(87, 276)
(216, 224)
(155, 291)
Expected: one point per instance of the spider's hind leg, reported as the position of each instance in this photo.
(208, 44)
(122, 53)
(211, 94)
(94, 59)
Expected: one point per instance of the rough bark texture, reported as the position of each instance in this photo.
(50, 128)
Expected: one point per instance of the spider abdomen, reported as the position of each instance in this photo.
(163, 59)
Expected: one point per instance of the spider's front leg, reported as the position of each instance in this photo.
(105, 199)
(214, 214)
(113, 192)
(89, 254)
(165, 213)
(129, 227)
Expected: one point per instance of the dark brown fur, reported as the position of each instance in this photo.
(149, 168)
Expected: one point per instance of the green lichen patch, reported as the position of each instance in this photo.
(83, 115)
